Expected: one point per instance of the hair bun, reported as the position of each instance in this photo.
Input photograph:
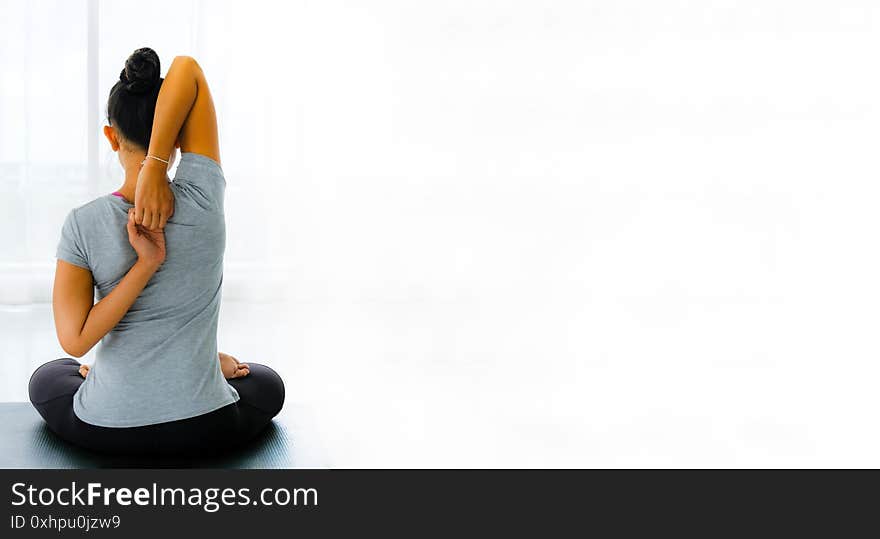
(141, 72)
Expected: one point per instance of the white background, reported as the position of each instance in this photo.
(526, 233)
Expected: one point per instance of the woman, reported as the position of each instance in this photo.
(158, 384)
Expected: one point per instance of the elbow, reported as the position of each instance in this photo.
(74, 349)
(187, 61)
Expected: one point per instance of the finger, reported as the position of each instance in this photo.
(138, 214)
(131, 227)
(148, 220)
(244, 365)
(163, 220)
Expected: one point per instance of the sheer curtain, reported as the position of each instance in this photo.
(43, 137)
(393, 151)
(60, 59)
(381, 91)
(373, 152)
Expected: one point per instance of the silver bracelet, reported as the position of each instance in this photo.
(157, 158)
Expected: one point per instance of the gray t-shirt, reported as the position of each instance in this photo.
(160, 361)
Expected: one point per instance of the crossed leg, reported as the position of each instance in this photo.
(231, 367)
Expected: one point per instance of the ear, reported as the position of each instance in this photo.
(110, 133)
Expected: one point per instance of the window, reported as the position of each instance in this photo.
(60, 59)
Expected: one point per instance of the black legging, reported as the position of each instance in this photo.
(261, 393)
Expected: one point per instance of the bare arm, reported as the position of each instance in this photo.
(184, 113)
(79, 323)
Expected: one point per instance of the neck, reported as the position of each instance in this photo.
(132, 165)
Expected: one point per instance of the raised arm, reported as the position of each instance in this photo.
(185, 114)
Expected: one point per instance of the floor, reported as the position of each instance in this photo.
(460, 384)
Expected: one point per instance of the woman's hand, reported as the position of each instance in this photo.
(148, 244)
(231, 368)
(84, 370)
(153, 199)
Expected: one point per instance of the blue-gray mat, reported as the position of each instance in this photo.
(26, 442)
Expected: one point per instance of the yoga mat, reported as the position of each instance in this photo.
(26, 442)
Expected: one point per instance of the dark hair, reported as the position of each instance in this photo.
(132, 100)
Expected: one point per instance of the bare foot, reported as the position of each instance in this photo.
(231, 368)
(84, 370)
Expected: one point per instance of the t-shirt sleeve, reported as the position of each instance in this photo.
(70, 247)
(205, 178)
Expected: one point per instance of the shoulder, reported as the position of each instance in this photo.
(200, 179)
(195, 165)
(80, 223)
(88, 212)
